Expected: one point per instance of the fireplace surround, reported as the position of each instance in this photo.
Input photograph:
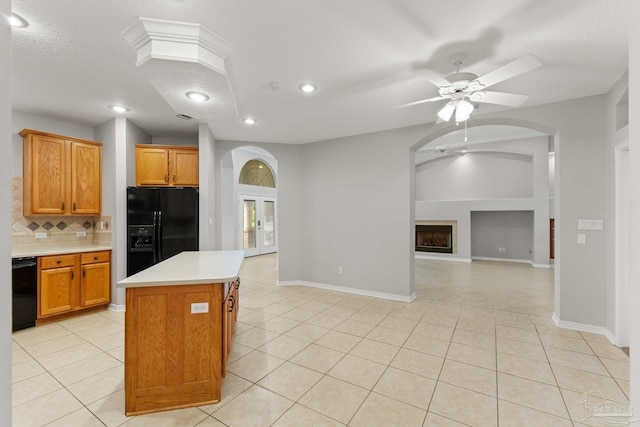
(436, 236)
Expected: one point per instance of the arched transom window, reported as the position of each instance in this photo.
(256, 172)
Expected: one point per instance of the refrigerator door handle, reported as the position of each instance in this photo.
(159, 239)
(155, 237)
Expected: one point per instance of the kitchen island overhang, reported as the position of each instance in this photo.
(179, 323)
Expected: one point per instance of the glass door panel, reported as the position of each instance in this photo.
(268, 224)
(249, 227)
(257, 218)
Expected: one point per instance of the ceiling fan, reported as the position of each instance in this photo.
(463, 89)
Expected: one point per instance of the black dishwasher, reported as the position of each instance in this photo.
(24, 280)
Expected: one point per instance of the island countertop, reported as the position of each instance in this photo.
(189, 268)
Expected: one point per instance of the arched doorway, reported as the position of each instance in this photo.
(493, 185)
(257, 209)
(248, 200)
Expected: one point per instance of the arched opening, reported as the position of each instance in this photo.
(248, 189)
(493, 185)
(257, 173)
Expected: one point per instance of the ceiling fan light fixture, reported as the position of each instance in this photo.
(476, 96)
(17, 21)
(447, 111)
(463, 110)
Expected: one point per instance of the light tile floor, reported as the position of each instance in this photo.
(476, 347)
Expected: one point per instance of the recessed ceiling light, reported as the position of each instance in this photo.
(249, 121)
(119, 108)
(308, 88)
(197, 96)
(17, 21)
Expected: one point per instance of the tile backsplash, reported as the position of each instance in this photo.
(59, 229)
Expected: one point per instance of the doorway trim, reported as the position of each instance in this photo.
(622, 243)
(260, 249)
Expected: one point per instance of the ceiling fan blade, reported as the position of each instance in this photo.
(500, 98)
(435, 78)
(512, 69)
(422, 101)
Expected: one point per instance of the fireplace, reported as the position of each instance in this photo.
(437, 238)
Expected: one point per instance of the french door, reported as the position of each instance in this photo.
(257, 225)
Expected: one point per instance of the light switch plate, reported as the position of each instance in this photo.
(199, 307)
(582, 239)
(41, 235)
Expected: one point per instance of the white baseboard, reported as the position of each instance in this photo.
(521, 261)
(119, 308)
(348, 290)
(441, 258)
(583, 327)
(542, 265)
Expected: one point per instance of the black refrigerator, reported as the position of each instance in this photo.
(161, 222)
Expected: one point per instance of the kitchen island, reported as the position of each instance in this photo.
(179, 325)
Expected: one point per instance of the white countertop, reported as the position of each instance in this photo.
(189, 268)
(18, 251)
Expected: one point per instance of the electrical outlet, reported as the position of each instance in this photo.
(199, 307)
(41, 235)
(501, 249)
(81, 233)
(582, 239)
(340, 270)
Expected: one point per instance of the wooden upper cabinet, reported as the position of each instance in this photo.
(86, 178)
(61, 175)
(45, 175)
(185, 167)
(152, 166)
(163, 165)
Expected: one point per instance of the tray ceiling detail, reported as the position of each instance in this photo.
(179, 57)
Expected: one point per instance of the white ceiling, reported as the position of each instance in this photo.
(364, 55)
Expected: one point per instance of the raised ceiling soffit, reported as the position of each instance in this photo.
(178, 57)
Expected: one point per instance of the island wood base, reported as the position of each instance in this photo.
(173, 357)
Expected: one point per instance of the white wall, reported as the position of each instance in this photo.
(634, 235)
(6, 163)
(357, 209)
(170, 140)
(118, 137)
(475, 175)
(510, 230)
(617, 210)
(207, 199)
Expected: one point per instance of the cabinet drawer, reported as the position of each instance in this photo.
(57, 261)
(91, 257)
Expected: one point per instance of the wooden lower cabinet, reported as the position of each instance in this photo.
(68, 283)
(57, 285)
(175, 351)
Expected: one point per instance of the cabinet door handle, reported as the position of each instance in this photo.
(84, 272)
(63, 206)
(95, 257)
(72, 275)
(166, 178)
(59, 261)
(174, 179)
(74, 206)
